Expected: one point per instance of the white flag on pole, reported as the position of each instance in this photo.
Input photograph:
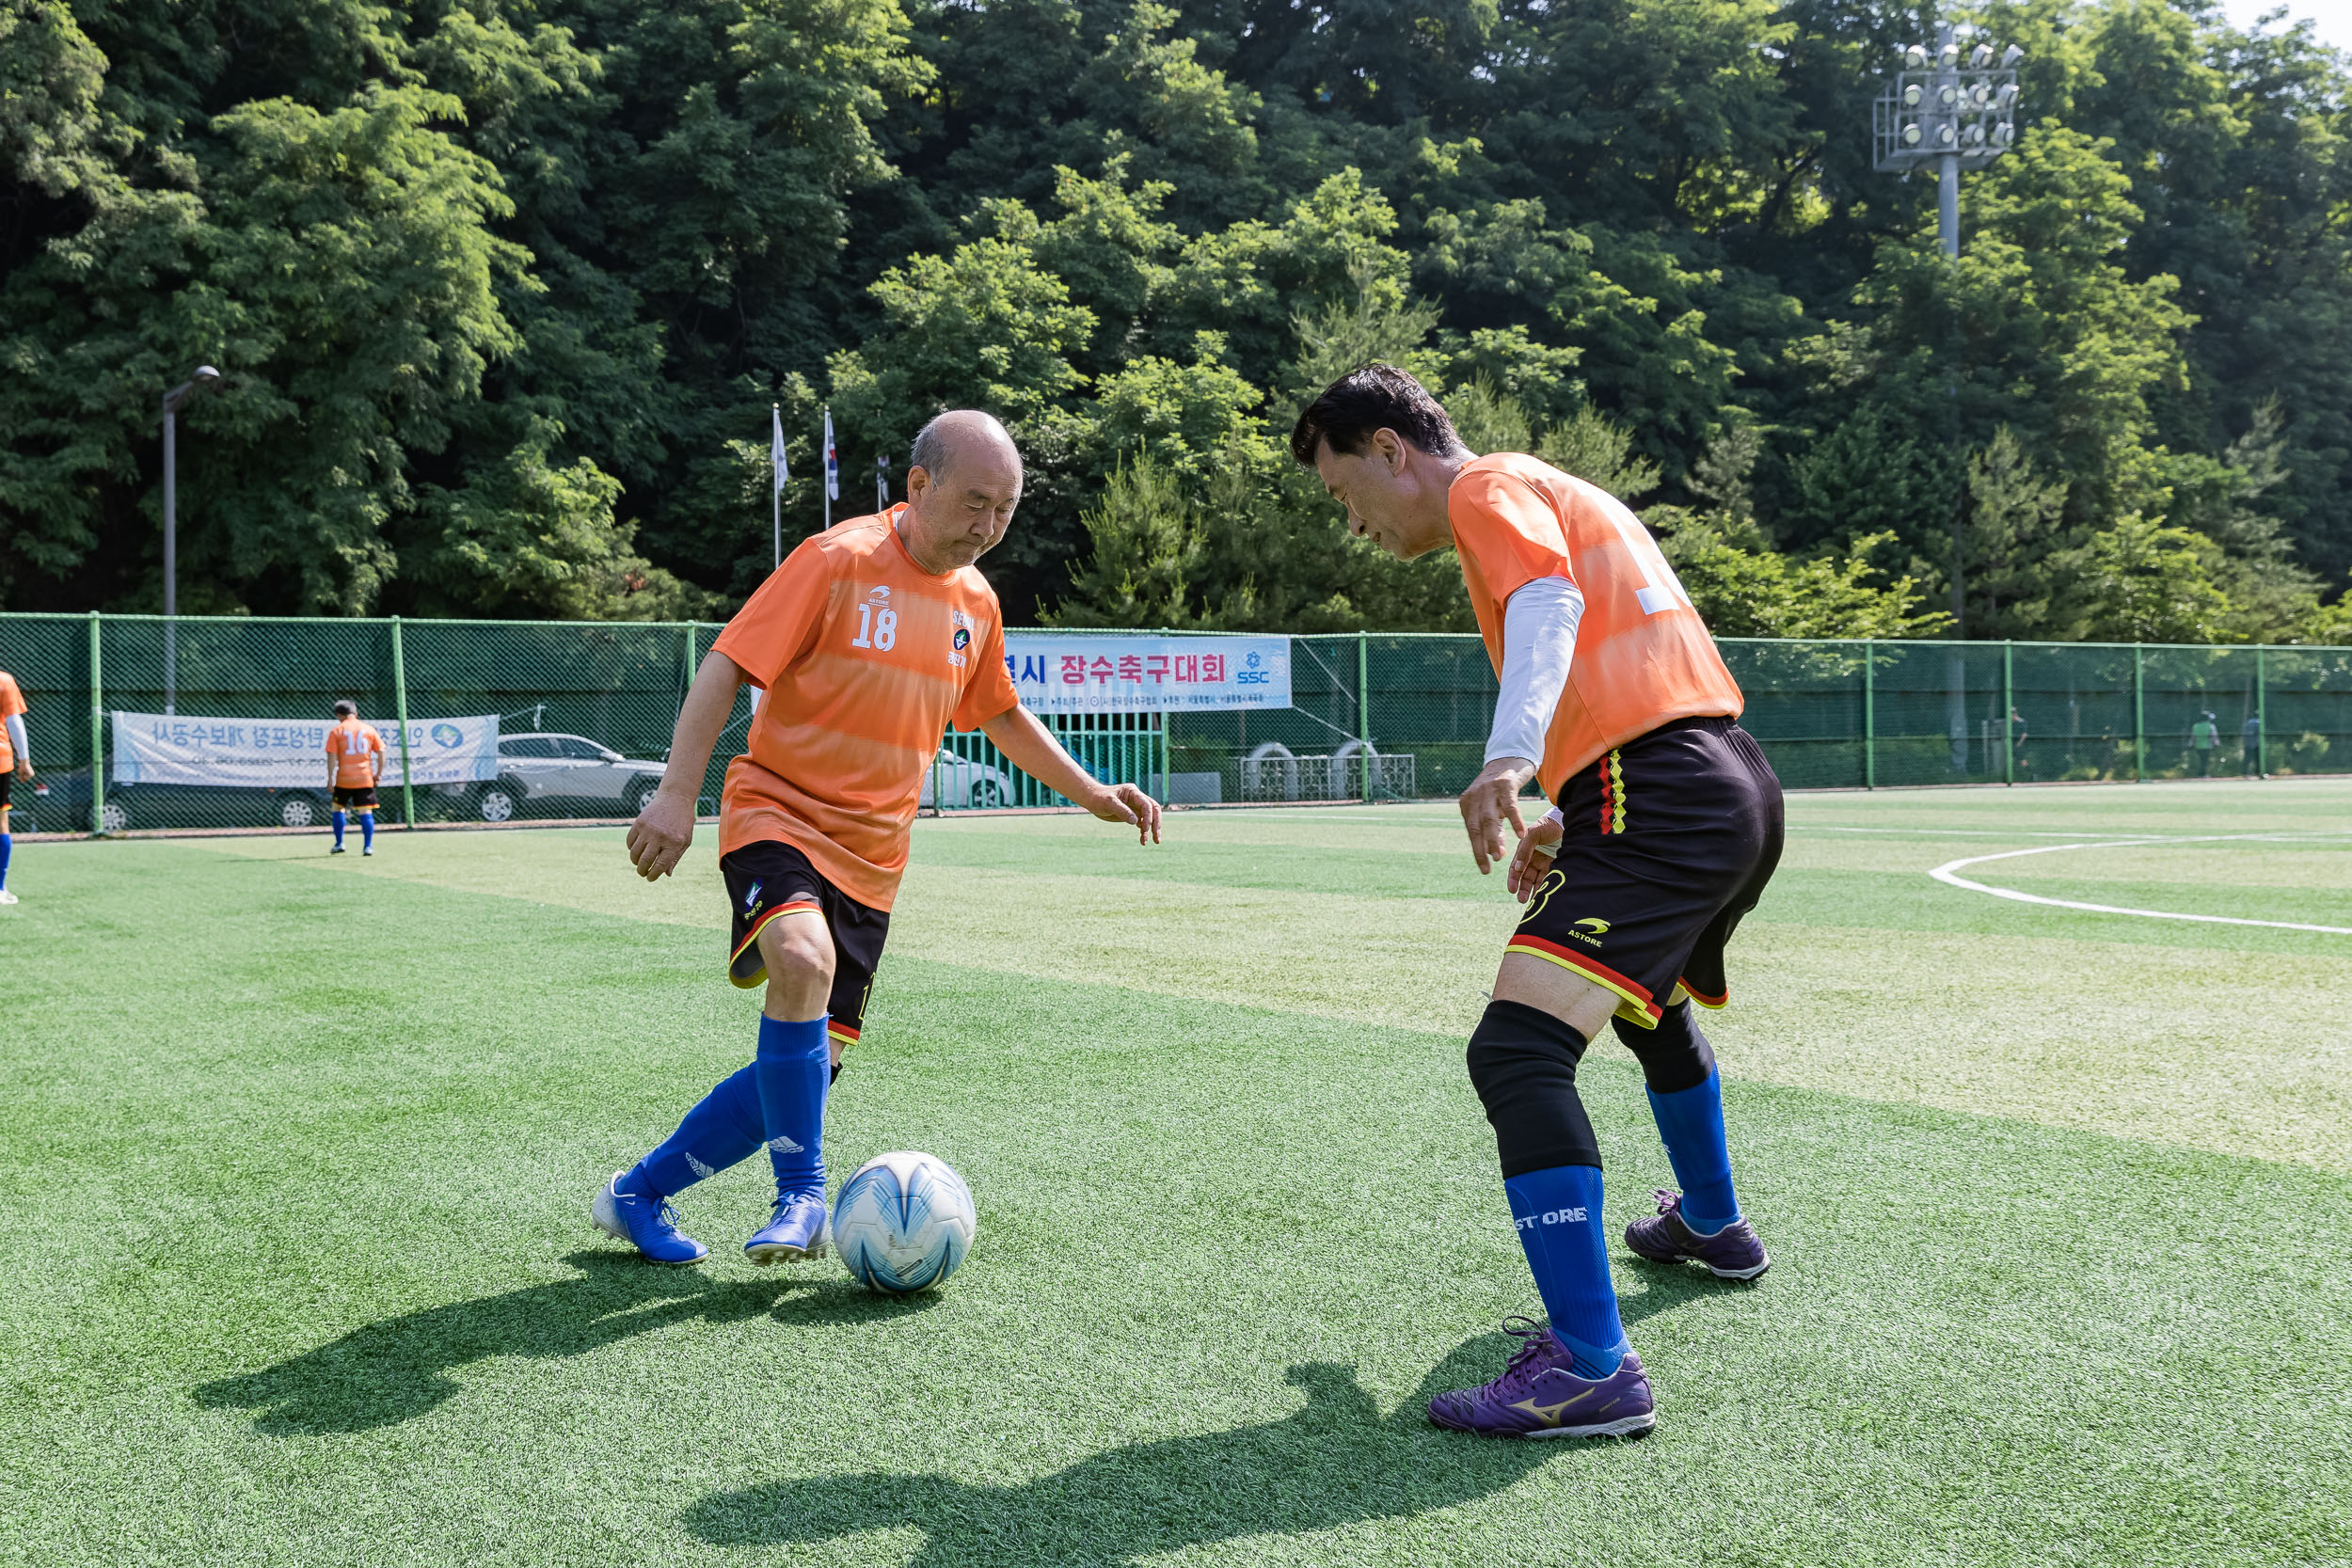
(776, 446)
(833, 462)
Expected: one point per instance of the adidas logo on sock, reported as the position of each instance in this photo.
(702, 1172)
(783, 1145)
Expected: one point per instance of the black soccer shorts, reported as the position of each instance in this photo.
(7, 782)
(356, 799)
(772, 877)
(1670, 839)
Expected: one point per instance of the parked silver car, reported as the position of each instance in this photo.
(966, 783)
(566, 769)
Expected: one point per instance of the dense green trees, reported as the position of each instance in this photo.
(504, 289)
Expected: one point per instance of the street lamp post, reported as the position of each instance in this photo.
(1954, 105)
(205, 375)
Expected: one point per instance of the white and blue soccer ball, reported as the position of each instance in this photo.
(903, 1222)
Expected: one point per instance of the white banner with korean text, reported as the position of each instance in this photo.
(1076, 672)
(291, 753)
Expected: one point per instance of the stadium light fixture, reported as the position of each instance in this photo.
(205, 376)
(1952, 105)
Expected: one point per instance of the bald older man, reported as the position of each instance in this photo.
(868, 641)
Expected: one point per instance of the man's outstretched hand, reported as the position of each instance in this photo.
(659, 837)
(1491, 803)
(1128, 805)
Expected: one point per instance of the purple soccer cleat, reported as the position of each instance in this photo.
(1731, 1252)
(1537, 1395)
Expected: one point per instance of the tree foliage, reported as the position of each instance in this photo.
(503, 291)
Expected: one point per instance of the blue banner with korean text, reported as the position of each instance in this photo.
(1098, 673)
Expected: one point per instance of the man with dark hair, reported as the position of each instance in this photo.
(355, 765)
(1665, 827)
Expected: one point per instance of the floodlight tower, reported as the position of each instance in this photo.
(1957, 106)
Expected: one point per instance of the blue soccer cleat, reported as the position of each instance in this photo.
(647, 1224)
(794, 1231)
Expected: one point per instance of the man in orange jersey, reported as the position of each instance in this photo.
(866, 642)
(1666, 824)
(355, 765)
(16, 762)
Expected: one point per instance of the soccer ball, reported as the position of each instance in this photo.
(903, 1222)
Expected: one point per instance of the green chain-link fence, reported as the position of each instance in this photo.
(584, 713)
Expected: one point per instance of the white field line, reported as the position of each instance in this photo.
(1946, 872)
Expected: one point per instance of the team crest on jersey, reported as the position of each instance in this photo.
(963, 639)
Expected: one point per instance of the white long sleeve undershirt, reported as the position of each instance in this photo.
(1538, 641)
(16, 735)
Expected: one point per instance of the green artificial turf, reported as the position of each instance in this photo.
(296, 1153)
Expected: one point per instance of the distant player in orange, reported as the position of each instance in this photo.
(16, 762)
(355, 765)
(1665, 826)
(866, 642)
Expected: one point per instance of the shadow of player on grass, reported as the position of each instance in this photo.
(1336, 1461)
(387, 1373)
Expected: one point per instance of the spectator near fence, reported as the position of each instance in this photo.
(2250, 737)
(2203, 735)
(2017, 737)
(16, 762)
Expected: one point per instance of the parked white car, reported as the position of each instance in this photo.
(966, 783)
(567, 768)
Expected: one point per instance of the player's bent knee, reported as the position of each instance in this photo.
(1675, 1056)
(1522, 1062)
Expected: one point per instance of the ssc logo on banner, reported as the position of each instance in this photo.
(1094, 672)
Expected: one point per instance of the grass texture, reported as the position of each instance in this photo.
(297, 1152)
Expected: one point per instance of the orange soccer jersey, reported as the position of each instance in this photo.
(11, 704)
(865, 657)
(1642, 656)
(353, 745)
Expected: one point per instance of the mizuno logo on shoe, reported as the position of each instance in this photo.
(1549, 1414)
(782, 1145)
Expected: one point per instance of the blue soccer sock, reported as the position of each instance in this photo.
(1558, 1213)
(8, 845)
(793, 1069)
(338, 820)
(1691, 1122)
(367, 830)
(724, 1129)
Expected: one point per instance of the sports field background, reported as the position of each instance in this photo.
(297, 1154)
